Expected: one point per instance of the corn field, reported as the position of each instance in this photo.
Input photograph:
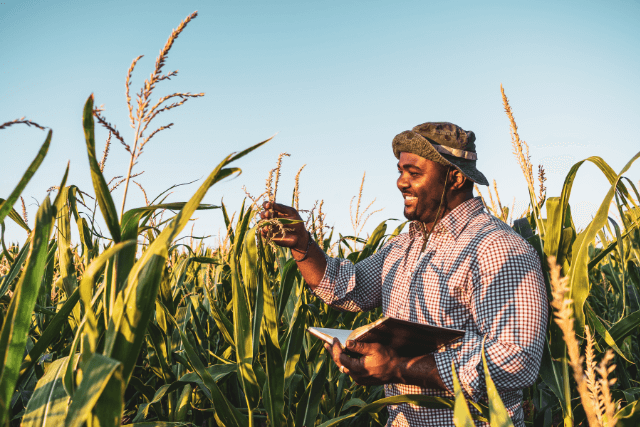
(134, 327)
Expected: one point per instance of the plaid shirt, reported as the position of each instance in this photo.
(476, 274)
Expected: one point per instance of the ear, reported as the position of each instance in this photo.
(457, 179)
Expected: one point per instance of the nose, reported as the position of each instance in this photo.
(402, 182)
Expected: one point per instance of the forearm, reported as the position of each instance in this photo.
(314, 264)
(420, 371)
(339, 282)
(511, 366)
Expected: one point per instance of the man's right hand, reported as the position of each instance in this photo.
(309, 257)
(295, 235)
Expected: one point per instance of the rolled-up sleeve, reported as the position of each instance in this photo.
(353, 287)
(509, 308)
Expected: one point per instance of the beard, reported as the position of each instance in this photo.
(410, 215)
(424, 214)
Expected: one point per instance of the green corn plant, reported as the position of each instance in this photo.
(15, 322)
(556, 236)
(96, 380)
(137, 326)
(15, 326)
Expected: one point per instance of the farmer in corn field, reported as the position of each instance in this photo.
(457, 267)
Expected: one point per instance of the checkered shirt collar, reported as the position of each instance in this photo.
(455, 221)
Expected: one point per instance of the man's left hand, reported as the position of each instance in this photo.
(378, 364)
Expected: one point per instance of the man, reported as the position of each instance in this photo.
(457, 267)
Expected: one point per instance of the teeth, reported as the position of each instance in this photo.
(409, 198)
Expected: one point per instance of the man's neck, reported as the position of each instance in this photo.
(452, 202)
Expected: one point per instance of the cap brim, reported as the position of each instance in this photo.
(412, 142)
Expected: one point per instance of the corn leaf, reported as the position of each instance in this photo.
(373, 241)
(222, 322)
(273, 395)
(217, 372)
(15, 216)
(433, 402)
(68, 376)
(624, 327)
(307, 410)
(110, 406)
(548, 373)
(65, 257)
(225, 413)
(461, 414)
(242, 328)
(249, 263)
(130, 230)
(157, 424)
(86, 289)
(160, 346)
(183, 403)
(103, 195)
(97, 372)
(49, 402)
(560, 232)
(15, 328)
(243, 337)
(579, 273)
(498, 415)
(593, 320)
(294, 342)
(51, 333)
(15, 268)
(629, 416)
(286, 285)
(227, 223)
(124, 338)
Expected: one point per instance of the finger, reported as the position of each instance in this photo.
(343, 368)
(349, 364)
(336, 351)
(270, 210)
(266, 231)
(283, 210)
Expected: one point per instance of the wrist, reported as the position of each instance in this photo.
(421, 371)
(302, 244)
(297, 248)
(399, 369)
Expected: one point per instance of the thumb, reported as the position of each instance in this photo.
(357, 347)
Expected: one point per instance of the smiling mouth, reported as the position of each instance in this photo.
(408, 198)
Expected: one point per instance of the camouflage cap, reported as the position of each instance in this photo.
(444, 143)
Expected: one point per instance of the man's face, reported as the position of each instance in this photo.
(421, 183)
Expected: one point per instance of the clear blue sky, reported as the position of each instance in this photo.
(336, 79)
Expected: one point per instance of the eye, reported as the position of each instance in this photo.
(414, 174)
